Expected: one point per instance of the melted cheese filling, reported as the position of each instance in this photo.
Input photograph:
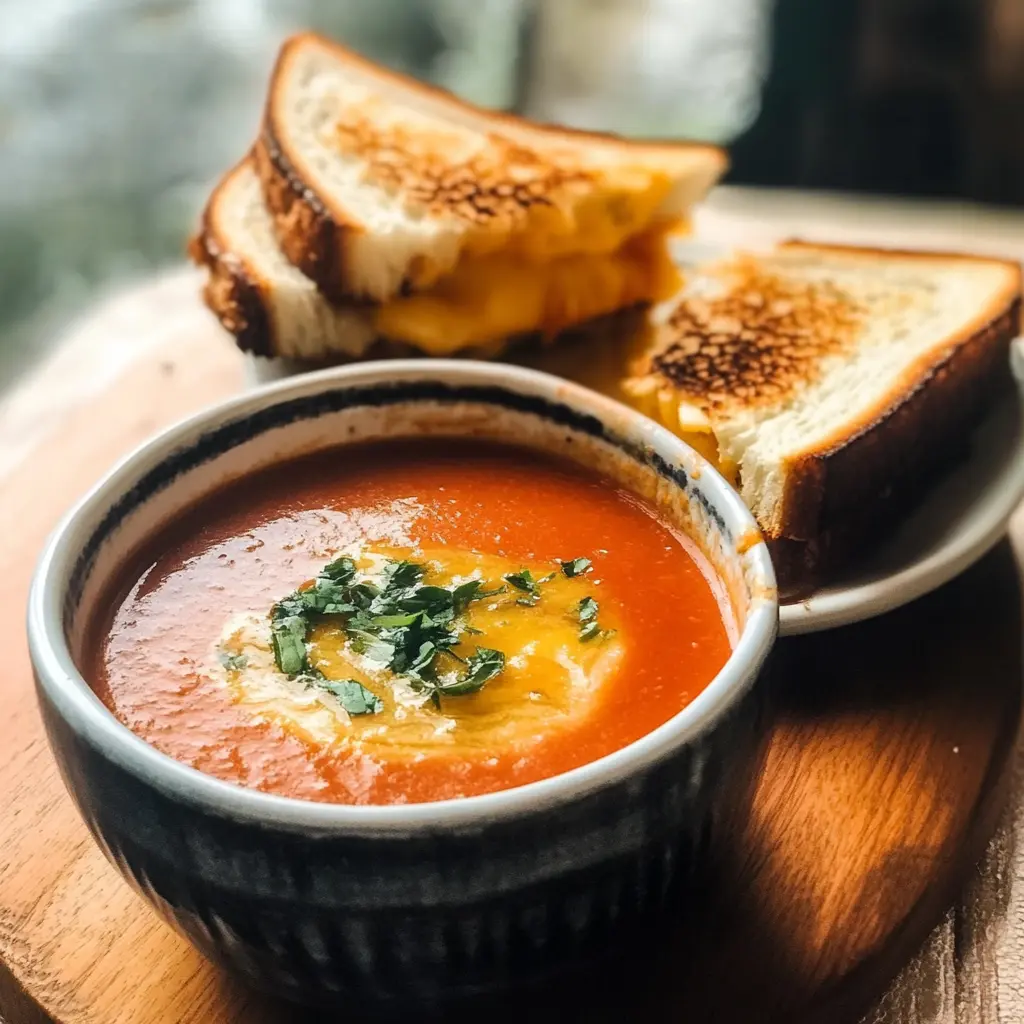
(494, 296)
(551, 680)
(600, 222)
(615, 365)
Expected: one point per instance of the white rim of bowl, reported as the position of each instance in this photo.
(85, 713)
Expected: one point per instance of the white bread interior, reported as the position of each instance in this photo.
(301, 324)
(389, 232)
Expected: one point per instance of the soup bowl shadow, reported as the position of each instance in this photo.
(389, 909)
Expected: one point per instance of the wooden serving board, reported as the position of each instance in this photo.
(883, 774)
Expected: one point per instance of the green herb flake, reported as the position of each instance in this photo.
(465, 593)
(341, 570)
(402, 575)
(589, 631)
(288, 640)
(481, 667)
(587, 609)
(355, 698)
(423, 663)
(325, 597)
(232, 662)
(394, 621)
(522, 580)
(485, 664)
(576, 567)
(429, 599)
(362, 595)
(398, 622)
(525, 580)
(373, 647)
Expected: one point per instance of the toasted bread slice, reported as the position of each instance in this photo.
(271, 308)
(380, 185)
(275, 310)
(831, 380)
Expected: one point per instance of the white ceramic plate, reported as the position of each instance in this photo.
(961, 518)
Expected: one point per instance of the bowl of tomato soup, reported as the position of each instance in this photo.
(406, 682)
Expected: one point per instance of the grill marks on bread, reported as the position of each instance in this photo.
(757, 342)
(482, 180)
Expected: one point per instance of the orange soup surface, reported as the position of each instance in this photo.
(408, 622)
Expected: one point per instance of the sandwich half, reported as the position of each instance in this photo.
(451, 227)
(828, 382)
(274, 310)
(270, 307)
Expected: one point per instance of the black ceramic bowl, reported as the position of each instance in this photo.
(392, 907)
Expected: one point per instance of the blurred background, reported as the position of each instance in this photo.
(116, 116)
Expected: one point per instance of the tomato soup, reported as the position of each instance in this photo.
(408, 622)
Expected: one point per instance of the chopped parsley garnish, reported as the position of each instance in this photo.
(480, 667)
(355, 698)
(371, 646)
(341, 570)
(576, 567)
(590, 629)
(401, 624)
(398, 575)
(525, 580)
(288, 639)
(406, 626)
(522, 580)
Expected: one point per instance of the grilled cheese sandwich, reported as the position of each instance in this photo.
(825, 382)
(274, 309)
(429, 224)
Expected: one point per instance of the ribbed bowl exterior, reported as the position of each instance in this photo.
(391, 922)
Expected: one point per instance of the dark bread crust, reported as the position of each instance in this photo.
(919, 406)
(241, 298)
(233, 293)
(845, 499)
(313, 238)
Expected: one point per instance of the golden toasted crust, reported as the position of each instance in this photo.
(496, 186)
(233, 291)
(315, 233)
(764, 337)
(934, 400)
(239, 299)
(757, 343)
